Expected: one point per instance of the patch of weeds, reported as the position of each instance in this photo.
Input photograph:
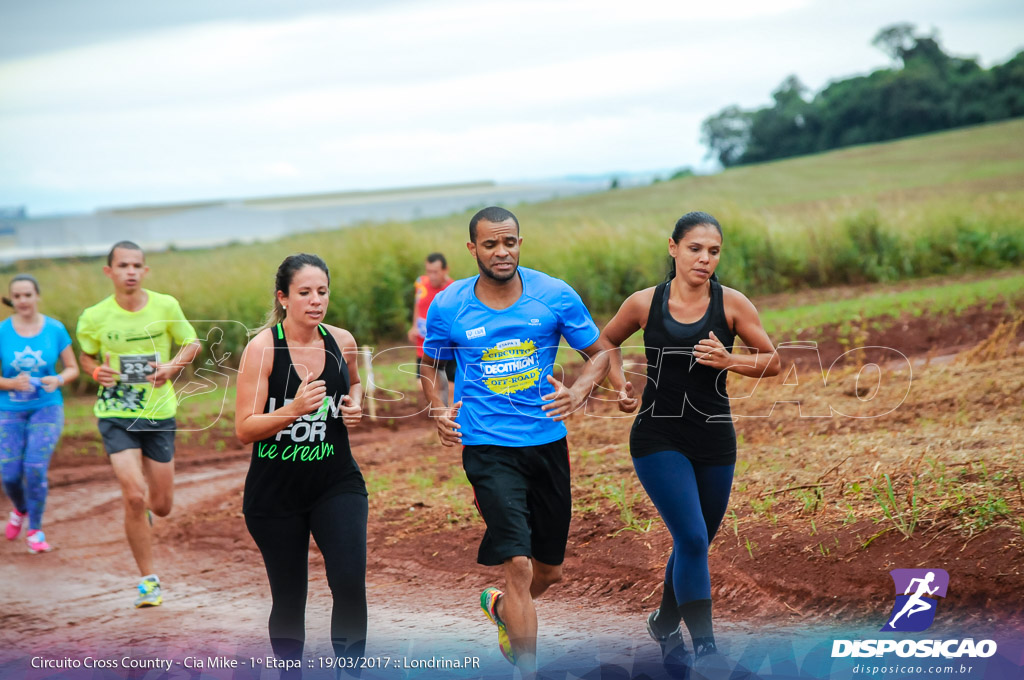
(851, 515)
(624, 499)
(937, 472)
(596, 481)
(377, 483)
(460, 507)
(587, 456)
(985, 514)
(903, 518)
(421, 479)
(764, 507)
(581, 508)
(456, 478)
(810, 498)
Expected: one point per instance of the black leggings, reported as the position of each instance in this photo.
(338, 524)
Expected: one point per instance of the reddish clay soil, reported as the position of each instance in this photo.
(922, 336)
(422, 562)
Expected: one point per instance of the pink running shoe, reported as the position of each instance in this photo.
(37, 542)
(14, 525)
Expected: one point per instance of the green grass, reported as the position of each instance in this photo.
(764, 507)
(904, 514)
(198, 415)
(934, 205)
(421, 479)
(625, 499)
(875, 307)
(954, 159)
(394, 369)
(985, 513)
(377, 483)
(935, 300)
(79, 419)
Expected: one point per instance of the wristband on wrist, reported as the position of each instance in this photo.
(60, 378)
(95, 375)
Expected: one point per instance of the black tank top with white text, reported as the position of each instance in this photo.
(685, 406)
(310, 459)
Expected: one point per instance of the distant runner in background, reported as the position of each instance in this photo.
(683, 442)
(31, 405)
(126, 344)
(504, 326)
(434, 280)
(298, 392)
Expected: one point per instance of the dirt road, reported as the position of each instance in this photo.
(783, 576)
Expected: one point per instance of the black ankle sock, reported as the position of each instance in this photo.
(697, 615)
(667, 619)
(704, 646)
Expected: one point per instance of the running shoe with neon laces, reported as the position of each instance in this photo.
(37, 542)
(489, 603)
(14, 525)
(149, 593)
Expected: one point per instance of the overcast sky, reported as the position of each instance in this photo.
(113, 102)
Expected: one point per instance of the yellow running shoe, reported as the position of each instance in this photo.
(149, 593)
(489, 603)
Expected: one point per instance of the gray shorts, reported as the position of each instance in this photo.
(154, 437)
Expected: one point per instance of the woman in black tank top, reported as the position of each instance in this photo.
(683, 442)
(298, 391)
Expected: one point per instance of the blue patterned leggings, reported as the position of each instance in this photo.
(27, 440)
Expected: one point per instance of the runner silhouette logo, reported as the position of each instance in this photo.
(916, 593)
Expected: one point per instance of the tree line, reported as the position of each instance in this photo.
(925, 90)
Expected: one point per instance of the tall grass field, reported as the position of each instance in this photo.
(938, 204)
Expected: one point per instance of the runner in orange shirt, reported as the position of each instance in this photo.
(434, 280)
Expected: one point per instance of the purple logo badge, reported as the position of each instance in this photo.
(916, 590)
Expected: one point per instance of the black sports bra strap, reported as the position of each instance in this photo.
(655, 315)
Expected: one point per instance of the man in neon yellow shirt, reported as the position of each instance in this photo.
(126, 340)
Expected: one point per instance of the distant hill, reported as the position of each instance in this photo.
(931, 205)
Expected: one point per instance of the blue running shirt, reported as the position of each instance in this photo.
(504, 356)
(36, 355)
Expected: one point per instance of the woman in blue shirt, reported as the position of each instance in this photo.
(31, 405)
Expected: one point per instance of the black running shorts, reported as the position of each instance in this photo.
(154, 437)
(524, 496)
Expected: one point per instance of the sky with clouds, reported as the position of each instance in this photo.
(115, 102)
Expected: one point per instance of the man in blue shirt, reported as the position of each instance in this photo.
(504, 327)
